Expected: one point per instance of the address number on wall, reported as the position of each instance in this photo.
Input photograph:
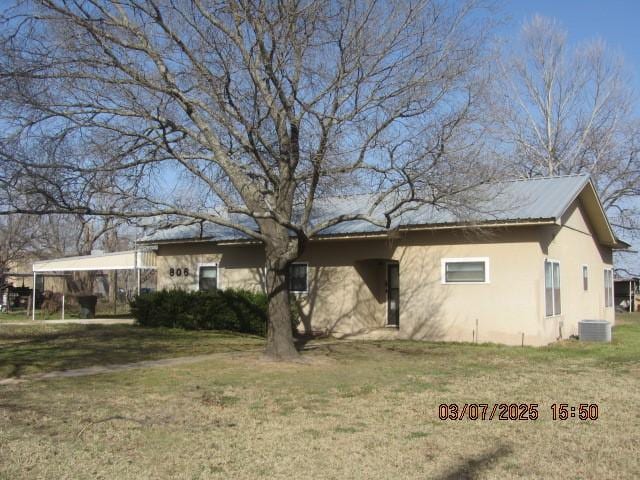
(178, 272)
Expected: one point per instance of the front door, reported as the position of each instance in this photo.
(393, 294)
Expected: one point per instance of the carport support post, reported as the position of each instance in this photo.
(115, 292)
(136, 269)
(33, 296)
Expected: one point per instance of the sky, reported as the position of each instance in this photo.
(615, 21)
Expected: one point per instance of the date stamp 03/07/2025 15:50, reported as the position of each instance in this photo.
(515, 411)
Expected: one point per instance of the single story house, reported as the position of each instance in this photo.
(526, 269)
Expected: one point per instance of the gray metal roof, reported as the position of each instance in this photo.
(505, 202)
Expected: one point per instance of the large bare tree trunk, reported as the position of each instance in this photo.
(280, 251)
(279, 332)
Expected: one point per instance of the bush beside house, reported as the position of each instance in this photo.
(234, 310)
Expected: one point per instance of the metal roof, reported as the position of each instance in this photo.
(516, 201)
(126, 260)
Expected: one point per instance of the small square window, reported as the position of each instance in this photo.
(208, 278)
(298, 277)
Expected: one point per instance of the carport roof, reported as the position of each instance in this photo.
(536, 200)
(127, 260)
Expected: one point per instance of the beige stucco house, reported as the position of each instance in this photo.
(526, 269)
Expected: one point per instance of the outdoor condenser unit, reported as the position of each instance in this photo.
(594, 330)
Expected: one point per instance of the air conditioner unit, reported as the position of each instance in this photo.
(594, 330)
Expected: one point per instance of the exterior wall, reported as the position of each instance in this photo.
(238, 265)
(347, 281)
(347, 286)
(55, 284)
(498, 311)
(574, 245)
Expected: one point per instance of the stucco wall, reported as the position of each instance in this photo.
(574, 245)
(504, 308)
(347, 281)
(239, 266)
(347, 286)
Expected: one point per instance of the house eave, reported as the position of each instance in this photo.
(369, 235)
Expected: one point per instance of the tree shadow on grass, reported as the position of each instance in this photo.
(300, 340)
(471, 468)
(23, 352)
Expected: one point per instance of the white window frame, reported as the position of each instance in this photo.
(544, 289)
(218, 280)
(306, 290)
(443, 269)
(609, 289)
(583, 278)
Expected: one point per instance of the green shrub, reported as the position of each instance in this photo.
(235, 310)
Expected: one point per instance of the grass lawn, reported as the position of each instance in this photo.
(366, 410)
(41, 348)
(21, 315)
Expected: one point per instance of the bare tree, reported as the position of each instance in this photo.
(68, 235)
(563, 110)
(244, 114)
(25, 238)
(17, 240)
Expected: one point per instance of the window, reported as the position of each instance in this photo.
(40, 283)
(552, 288)
(465, 270)
(585, 277)
(208, 278)
(608, 287)
(298, 277)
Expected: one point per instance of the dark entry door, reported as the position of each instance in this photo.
(393, 294)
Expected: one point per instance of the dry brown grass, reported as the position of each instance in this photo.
(359, 410)
(38, 348)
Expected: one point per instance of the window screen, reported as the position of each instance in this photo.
(608, 288)
(472, 271)
(208, 278)
(298, 277)
(552, 288)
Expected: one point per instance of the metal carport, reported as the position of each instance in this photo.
(136, 260)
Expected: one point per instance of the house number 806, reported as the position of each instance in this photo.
(178, 272)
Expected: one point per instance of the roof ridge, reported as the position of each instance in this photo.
(546, 177)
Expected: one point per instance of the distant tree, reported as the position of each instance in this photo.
(563, 110)
(69, 235)
(244, 114)
(27, 238)
(17, 239)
